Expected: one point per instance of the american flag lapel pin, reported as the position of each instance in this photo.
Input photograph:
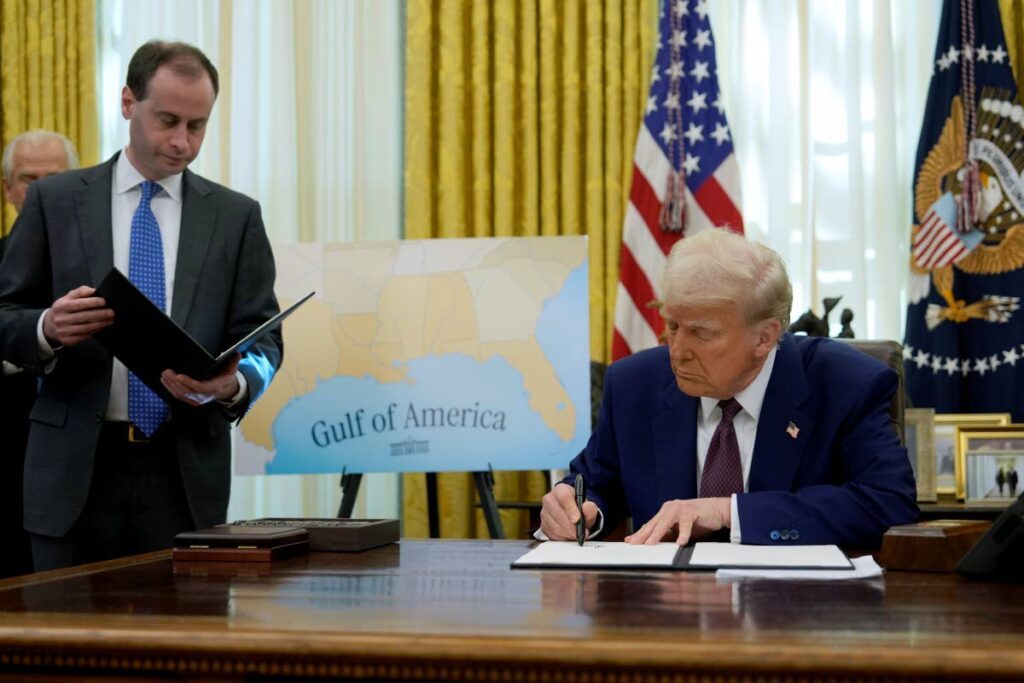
(792, 430)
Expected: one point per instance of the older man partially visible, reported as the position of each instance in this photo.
(735, 424)
(33, 155)
(28, 157)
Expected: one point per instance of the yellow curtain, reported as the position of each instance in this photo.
(1012, 14)
(520, 120)
(48, 74)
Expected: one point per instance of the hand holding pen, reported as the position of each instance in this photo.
(566, 514)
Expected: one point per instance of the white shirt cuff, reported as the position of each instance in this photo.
(243, 392)
(47, 354)
(734, 529)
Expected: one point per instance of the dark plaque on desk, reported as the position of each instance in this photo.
(933, 546)
(335, 535)
(232, 543)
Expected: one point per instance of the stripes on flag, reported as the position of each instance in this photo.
(936, 243)
(684, 131)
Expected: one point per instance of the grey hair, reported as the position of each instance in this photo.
(37, 135)
(716, 267)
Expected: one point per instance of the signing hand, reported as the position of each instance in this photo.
(690, 518)
(75, 317)
(222, 386)
(558, 513)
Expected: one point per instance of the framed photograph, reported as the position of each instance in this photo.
(944, 441)
(990, 461)
(919, 430)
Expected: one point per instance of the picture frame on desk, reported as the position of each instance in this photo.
(990, 464)
(919, 432)
(945, 440)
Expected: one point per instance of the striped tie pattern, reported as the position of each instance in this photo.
(723, 471)
(146, 410)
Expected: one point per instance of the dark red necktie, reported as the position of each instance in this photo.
(723, 471)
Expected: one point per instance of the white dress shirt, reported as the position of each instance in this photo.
(125, 195)
(745, 426)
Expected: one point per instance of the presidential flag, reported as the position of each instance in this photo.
(964, 346)
(685, 177)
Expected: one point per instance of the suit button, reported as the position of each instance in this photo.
(774, 535)
(99, 417)
(794, 534)
(784, 535)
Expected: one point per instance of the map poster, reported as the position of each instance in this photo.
(427, 356)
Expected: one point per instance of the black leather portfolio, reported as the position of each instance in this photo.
(148, 342)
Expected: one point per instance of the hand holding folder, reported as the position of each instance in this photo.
(148, 342)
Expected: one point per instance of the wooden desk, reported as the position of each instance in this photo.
(454, 611)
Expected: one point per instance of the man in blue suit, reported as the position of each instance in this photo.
(734, 424)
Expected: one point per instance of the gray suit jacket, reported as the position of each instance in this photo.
(223, 288)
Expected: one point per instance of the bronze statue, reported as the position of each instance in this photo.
(818, 327)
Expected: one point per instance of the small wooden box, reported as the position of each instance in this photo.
(335, 535)
(933, 546)
(230, 543)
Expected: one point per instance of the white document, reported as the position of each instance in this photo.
(863, 568)
(599, 554)
(736, 555)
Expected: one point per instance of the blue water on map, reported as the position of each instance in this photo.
(451, 413)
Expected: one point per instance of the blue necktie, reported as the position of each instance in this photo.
(146, 410)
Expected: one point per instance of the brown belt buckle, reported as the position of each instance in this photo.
(136, 435)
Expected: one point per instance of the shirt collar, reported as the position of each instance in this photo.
(127, 177)
(752, 397)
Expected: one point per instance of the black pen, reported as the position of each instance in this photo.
(581, 497)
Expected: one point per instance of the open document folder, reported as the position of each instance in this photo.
(148, 342)
(617, 555)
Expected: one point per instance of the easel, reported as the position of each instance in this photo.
(484, 487)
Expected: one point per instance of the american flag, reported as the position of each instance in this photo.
(685, 177)
(936, 243)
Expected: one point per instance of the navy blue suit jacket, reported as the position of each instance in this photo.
(844, 479)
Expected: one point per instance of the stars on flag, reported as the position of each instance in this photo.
(981, 365)
(668, 133)
(694, 133)
(952, 56)
(700, 71)
(685, 110)
(703, 39)
(721, 133)
(698, 101)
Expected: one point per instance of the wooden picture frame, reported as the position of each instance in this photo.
(944, 441)
(990, 464)
(919, 434)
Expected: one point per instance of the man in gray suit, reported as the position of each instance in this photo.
(111, 469)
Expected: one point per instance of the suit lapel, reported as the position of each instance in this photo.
(93, 208)
(675, 433)
(198, 222)
(777, 452)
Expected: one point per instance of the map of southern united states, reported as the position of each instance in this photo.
(379, 306)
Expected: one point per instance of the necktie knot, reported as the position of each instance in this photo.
(149, 189)
(730, 407)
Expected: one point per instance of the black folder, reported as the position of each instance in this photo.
(148, 342)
